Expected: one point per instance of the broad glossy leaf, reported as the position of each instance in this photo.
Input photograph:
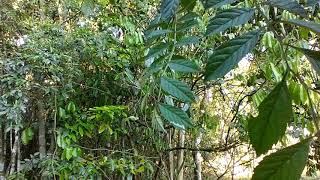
(157, 33)
(177, 89)
(186, 25)
(229, 18)
(157, 50)
(269, 126)
(227, 56)
(183, 65)
(313, 57)
(315, 27)
(290, 5)
(217, 3)
(175, 116)
(189, 16)
(168, 9)
(287, 163)
(187, 41)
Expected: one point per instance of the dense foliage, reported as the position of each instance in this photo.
(150, 89)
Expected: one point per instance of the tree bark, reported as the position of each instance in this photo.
(181, 155)
(42, 9)
(42, 129)
(18, 156)
(171, 164)
(198, 159)
(14, 150)
(2, 152)
(61, 12)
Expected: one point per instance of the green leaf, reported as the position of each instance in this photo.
(303, 95)
(157, 121)
(229, 18)
(24, 137)
(168, 9)
(183, 65)
(187, 25)
(294, 89)
(157, 33)
(157, 50)
(312, 2)
(285, 164)
(217, 3)
(289, 5)
(187, 41)
(188, 4)
(102, 128)
(276, 73)
(270, 125)
(87, 7)
(315, 27)
(227, 56)
(71, 107)
(188, 17)
(313, 57)
(68, 153)
(177, 89)
(175, 116)
(62, 113)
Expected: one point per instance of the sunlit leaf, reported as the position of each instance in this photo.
(315, 27)
(227, 56)
(188, 17)
(313, 57)
(229, 18)
(289, 5)
(177, 89)
(275, 112)
(157, 33)
(186, 25)
(287, 163)
(175, 116)
(217, 3)
(27, 135)
(187, 41)
(157, 50)
(183, 65)
(168, 8)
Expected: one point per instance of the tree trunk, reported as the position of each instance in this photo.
(2, 152)
(42, 9)
(181, 155)
(61, 13)
(171, 164)
(18, 156)
(2, 138)
(42, 129)
(14, 150)
(198, 159)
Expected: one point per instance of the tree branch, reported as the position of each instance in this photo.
(215, 149)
